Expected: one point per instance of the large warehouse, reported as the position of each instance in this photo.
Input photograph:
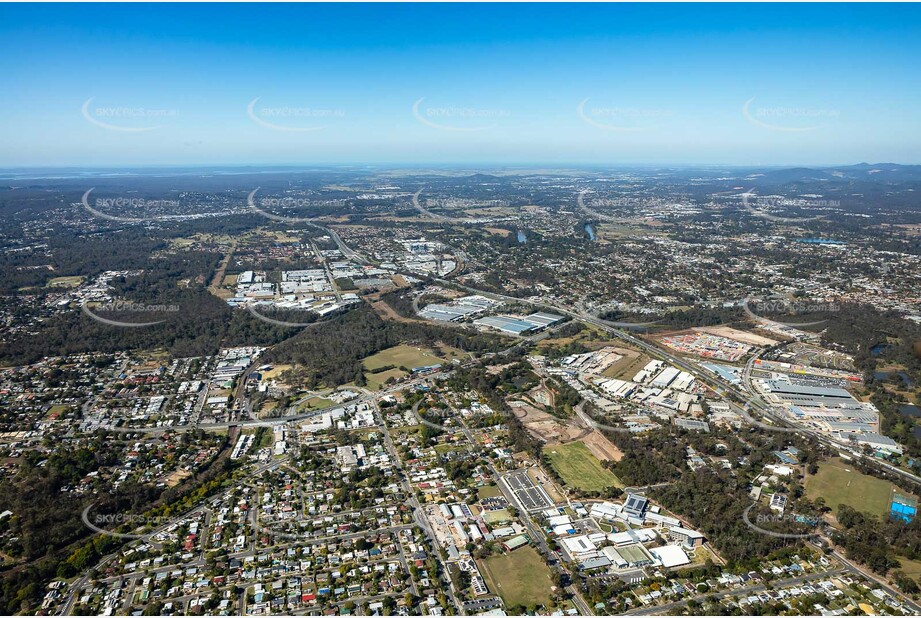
(457, 310)
(832, 410)
(519, 326)
(812, 396)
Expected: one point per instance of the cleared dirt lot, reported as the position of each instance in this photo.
(737, 335)
(388, 313)
(553, 431)
(628, 366)
(546, 427)
(601, 447)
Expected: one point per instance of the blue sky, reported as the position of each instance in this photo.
(101, 85)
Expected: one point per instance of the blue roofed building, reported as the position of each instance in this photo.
(903, 507)
(786, 458)
(635, 506)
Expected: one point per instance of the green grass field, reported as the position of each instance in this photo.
(318, 403)
(839, 483)
(441, 449)
(402, 355)
(579, 468)
(275, 371)
(65, 282)
(488, 491)
(493, 517)
(520, 577)
(376, 380)
(58, 409)
(268, 439)
(911, 568)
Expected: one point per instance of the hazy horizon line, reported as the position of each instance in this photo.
(418, 165)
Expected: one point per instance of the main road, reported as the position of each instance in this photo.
(535, 533)
(721, 386)
(418, 512)
(748, 400)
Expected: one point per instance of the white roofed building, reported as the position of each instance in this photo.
(670, 556)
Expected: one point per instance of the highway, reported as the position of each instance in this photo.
(734, 394)
(730, 391)
(721, 386)
(781, 424)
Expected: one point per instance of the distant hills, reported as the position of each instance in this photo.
(864, 172)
